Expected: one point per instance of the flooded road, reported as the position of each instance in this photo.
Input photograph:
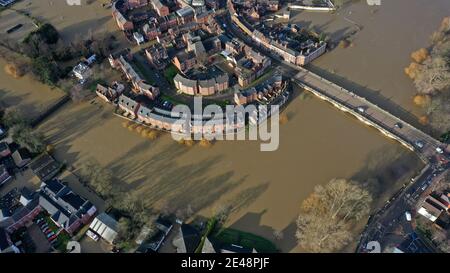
(317, 144)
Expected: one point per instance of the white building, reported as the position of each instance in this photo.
(139, 38)
(82, 71)
(105, 226)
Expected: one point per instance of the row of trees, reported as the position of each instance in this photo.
(153, 134)
(430, 71)
(134, 213)
(21, 132)
(141, 130)
(329, 213)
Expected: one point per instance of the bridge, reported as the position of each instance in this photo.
(369, 113)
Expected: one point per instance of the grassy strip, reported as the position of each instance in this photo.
(144, 71)
(62, 239)
(170, 72)
(93, 85)
(446, 137)
(244, 239)
(209, 229)
(261, 79)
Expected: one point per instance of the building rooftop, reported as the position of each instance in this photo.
(185, 12)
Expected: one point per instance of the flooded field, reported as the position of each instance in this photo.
(317, 144)
(28, 95)
(71, 21)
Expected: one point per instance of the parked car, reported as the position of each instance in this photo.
(92, 235)
(52, 238)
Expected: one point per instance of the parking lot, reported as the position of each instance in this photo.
(39, 239)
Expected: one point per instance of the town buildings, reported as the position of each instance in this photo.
(82, 71)
(248, 64)
(157, 55)
(111, 93)
(435, 208)
(118, 11)
(282, 41)
(128, 105)
(140, 86)
(4, 175)
(185, 61)
(18, 209)
(21, 157)
(139, 38)
(161, 9)
(45, 167)
(5, 3)
(67, 209)
(270, 87)
(205, 87)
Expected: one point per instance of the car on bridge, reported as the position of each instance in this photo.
(361, 109)
(398, 125)
(439, 150)
(419, 144)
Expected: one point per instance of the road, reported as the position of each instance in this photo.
(383, 223)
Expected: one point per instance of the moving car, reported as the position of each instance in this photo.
(419, 144)
(408, 216)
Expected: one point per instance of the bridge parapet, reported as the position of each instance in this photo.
(350, 103)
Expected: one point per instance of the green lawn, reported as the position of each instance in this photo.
(446, 137)
(248, 240)
(144, 71)
(62, 239)
(261, 79)
(170, 72)
(93, 85)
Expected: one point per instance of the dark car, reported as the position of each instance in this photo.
(398, 125)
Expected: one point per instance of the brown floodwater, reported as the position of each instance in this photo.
(317, 144)
(28, 95)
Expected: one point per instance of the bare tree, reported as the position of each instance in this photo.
(327, 215)
(433, 76)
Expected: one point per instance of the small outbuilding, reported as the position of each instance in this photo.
(105, 226)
